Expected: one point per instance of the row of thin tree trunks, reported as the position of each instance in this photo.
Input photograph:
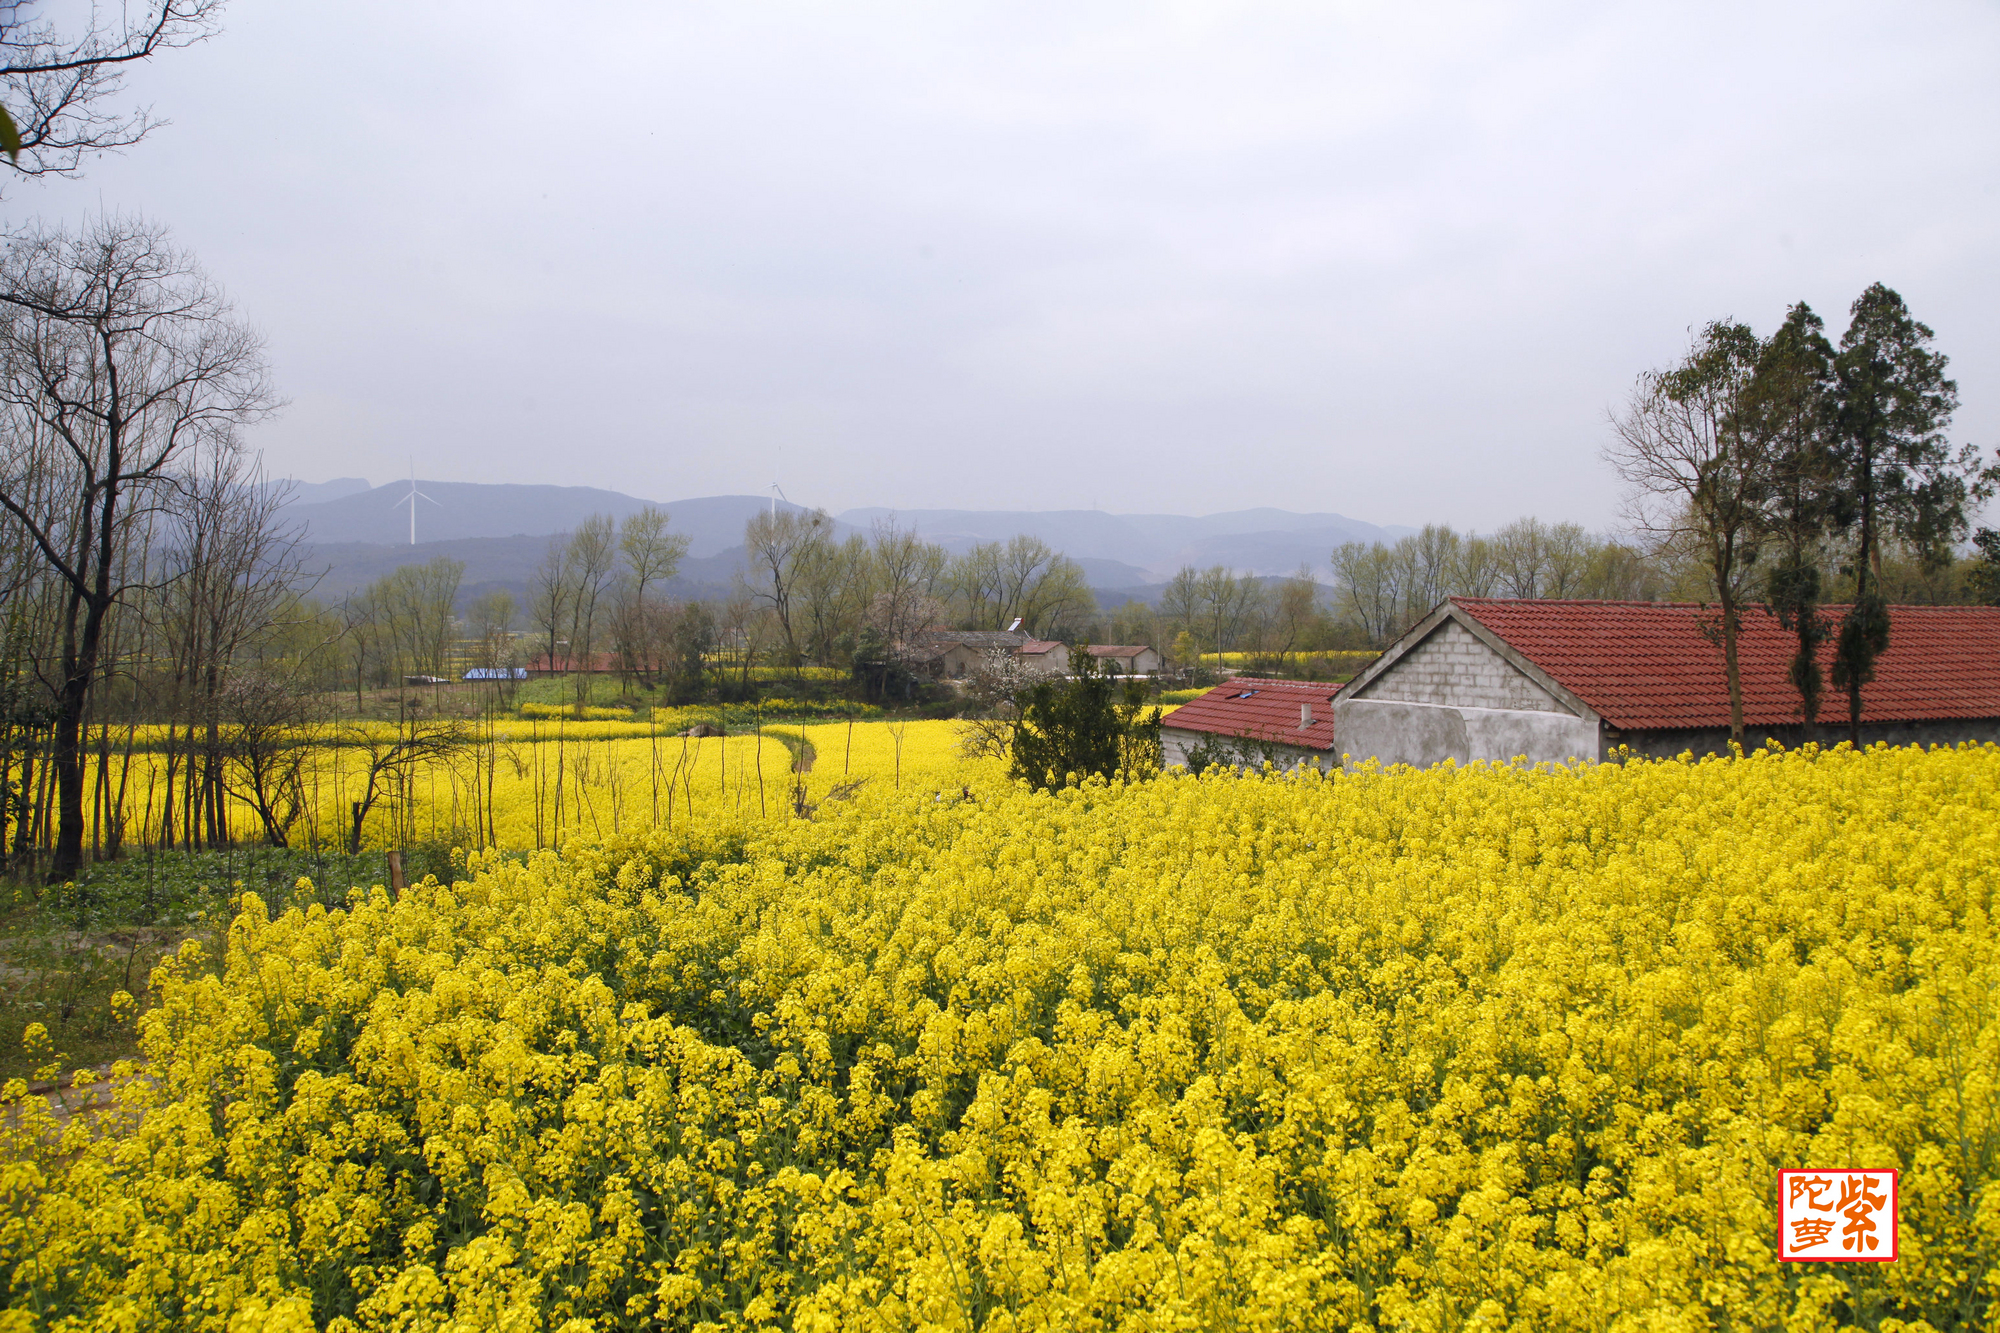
(176, 795)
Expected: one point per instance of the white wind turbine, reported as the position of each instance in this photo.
(777, 494)
(411, 500)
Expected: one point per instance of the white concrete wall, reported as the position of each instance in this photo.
(1453, 666)
(1421, 734)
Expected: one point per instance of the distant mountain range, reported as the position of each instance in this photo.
(359, 532)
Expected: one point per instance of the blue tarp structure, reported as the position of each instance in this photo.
(497, 673)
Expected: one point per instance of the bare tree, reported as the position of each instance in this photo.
(781, 545)
(593, 553)
(1477, 574)
(267, 740)
(55, 84)
(1432, 567)
(227, 573)
(908, 573)
(1566, 560)
(1696, 477)
(1294, 610)
(117, 358)
(549, 596)
(1228, 602)
(1521, 557)
(652, 555)
(1366, 576)
(1180, 600)
(394, 759)
(907, 568)
(492, 623)
(836, 583)
(420, 599)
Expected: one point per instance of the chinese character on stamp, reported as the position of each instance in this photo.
(1837, 1214)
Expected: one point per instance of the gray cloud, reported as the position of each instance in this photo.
(1390, 261)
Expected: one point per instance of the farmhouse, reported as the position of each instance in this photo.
(1483, 678)
(1249, 720)
(1044, 657)
(957, 653)
(1129, 659)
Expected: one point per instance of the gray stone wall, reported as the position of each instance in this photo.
(1417, 734)
(1453, 667)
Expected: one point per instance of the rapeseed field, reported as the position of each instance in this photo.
(522, 785)
(1467, 1048)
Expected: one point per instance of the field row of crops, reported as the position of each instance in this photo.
(526, 785)
(1464, 1048)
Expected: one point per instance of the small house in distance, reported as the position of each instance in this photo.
(956, 653)
(1128, 659)
(1498, 679)
(1044, 657)
(1248, 720)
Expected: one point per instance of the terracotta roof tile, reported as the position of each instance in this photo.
(1655, 665)
(1265, 710)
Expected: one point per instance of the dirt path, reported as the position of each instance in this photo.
(801, 749)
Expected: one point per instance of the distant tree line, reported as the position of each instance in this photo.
(809, 597)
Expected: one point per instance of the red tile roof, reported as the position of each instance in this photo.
(1117, 649)
(1653, 665)
(1264, 710)
(1036, 647)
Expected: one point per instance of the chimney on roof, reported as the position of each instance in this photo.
(1305, 716)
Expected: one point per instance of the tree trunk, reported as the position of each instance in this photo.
(68, 759)
(1724, 565)
(79, 668)
(1861, 564)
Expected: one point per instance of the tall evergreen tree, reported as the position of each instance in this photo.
(1897, 472)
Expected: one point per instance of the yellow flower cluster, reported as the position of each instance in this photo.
(1468, 1048)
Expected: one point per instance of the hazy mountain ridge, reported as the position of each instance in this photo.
(1116, 549)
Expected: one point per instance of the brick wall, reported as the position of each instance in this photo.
(1453, 667)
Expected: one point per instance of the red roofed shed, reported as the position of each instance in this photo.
(1488, 678)
(1249, 720)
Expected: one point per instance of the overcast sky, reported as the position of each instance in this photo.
(1396, 261)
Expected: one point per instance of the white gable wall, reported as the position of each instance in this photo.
(1450, 696)
(1420, 735)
